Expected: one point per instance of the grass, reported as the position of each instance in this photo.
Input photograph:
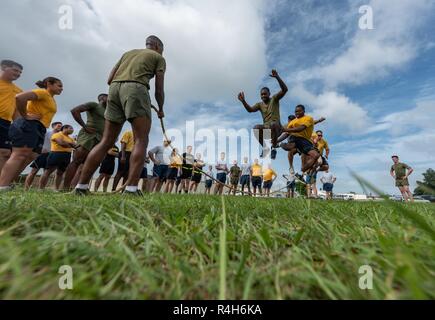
(198, 247)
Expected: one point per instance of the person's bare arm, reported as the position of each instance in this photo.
(282, 137)
(281, 83)
(151, 156)
(77, 115)
(296, 129)
(21, 103)
(319, 121)
(63, 143)
(113, 153)
(410, 171)
(327, 153)
(160, 92)
(123, 148)
(392, 173)
(248, 108)
(113, 72)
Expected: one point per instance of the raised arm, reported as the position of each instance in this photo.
(77, 115)
(281, 83)
(319, 121)
(248, 108)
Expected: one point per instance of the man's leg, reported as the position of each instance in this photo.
(78, 159)
(98, 182)
(408, 193)
(99, 152)
(141, 128)
(311, 159)
(16, 163)
(403, 193)
(258, 133)
(4, 156)
(45, 177)
(58, 180)
(30, 177)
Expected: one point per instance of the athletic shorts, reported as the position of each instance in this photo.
(208, 184)
(234, 181)
(27, 134)
(402, 182)
(245, 180)
(144, 173)
(303, 145)
(88, 140)
(161, 172)
(172, 174)
(222, 177)
(127, 101)
(108, 165)
(197, 177)
(186, 171)
(328, 187)
(178, 181)
(40, 162)
(267, 184)
(5, 142)
(124, 168)
(312, 178)
(291, 186)
(256, 182)
(59, 160)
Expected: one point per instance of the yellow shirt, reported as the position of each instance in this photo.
(45, 106)
(8, 91)
(128, 139)
(269, 174)
(257, 170)
(303, 121)
(55, 147)
(176, 161)
(321, 145)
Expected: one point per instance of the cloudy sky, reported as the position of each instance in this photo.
(375, 87)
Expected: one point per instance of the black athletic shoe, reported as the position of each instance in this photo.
(138, 193)
(81, 192)
(273, 154)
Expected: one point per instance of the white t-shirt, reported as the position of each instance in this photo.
(246, 169)
(210, 173)
(223, 164)
(47, 141)
(162, 154)
(327, 178)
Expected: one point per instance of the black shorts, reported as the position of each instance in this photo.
(124, 167)
(40, 162)
(245, 180)
(58, 160)
(5, 142)
(197, 177)
(172, 174)
(328, 187)
(268, 184)
(27, 134)
(208, 184)
(303, 145)
(291, 186)
(178, 181)
(108, 165)
(256, 182)
(161, 172)
(222, 177)
(186, 171)
(144, 173)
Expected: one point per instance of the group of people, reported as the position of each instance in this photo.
(25, 117)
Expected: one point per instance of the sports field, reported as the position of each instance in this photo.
(197, 247)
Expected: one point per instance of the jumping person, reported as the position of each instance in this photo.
(59, 158)
(235, 173)
(269, 178)
(269, 108)
(257, 177)
(209, 180)
(107, 169)
(187, 169)
(127, 146)
(222, 171)
(41, 160)
(245, 180)
(129, 101)
(161, 157)
(174, 169)
(89, 136)
(10, 72)
(37, 109)
(301, 130)
(400, 172)
(197, 173)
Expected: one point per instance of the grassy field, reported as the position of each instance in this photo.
(197, 247)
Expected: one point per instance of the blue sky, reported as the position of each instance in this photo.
(375, 87)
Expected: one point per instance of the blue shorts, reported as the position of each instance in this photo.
(328, 187)
(303, 145)
(245, 180)
(172, 174)
(222, 177)
(144, 173)
(5, 142)
(58, 160)
(40, 162)
(27, 134)
(161, 171)
(256, 182)
(267, 184)
(208, 184)
(312, 178)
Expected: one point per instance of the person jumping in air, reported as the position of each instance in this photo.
(269, 108)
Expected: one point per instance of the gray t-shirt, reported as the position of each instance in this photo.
(246, 169)
(223, 164)
(162, 154)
